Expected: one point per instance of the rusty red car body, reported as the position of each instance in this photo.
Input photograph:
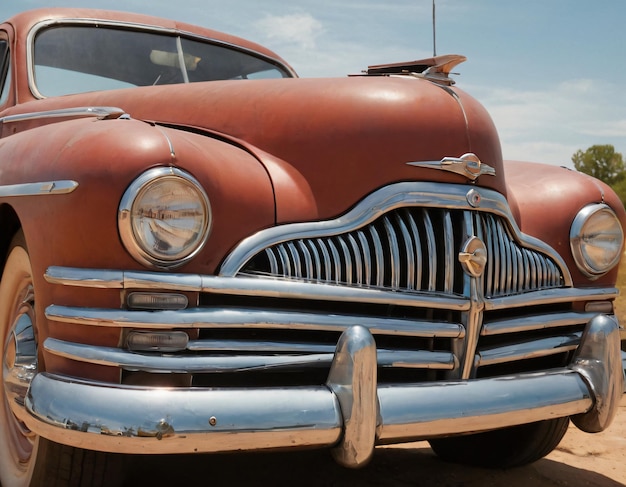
(204, 253)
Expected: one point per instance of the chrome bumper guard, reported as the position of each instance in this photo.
(350, 414)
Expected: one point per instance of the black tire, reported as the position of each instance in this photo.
(25, 458)
(503, 448)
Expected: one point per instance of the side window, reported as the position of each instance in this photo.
(5, 72)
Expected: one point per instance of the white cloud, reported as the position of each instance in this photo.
(301, 29)
(550, 125)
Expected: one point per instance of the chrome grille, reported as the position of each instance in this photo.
(283, 296)
(412, 249)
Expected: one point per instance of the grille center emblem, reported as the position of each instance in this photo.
(473, 257)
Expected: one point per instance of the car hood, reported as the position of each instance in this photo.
(344, 137)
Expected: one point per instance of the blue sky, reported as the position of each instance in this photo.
(551, 72)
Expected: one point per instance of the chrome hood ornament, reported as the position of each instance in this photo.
(467, 165)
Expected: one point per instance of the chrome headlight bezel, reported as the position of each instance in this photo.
(132, 224)
(596, 240)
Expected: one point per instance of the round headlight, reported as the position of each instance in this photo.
(164, 217)
(596, 239)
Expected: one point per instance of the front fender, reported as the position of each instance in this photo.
(546, 199)
(79, 228)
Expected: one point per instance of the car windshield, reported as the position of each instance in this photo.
(80, 58)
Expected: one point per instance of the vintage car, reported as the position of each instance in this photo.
(204, 253)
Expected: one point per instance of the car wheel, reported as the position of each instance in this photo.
(503, 448)
(25, 458)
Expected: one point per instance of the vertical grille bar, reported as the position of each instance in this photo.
(335, 260)
(317, 263)
(431, 246)
(367, 257)
(419, 261)
(449, 253)
(379, 256)
(295, 259)
(394, 254)
(358, 260)
(408, 251)
(347, 268)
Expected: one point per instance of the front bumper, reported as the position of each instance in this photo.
(351, 413)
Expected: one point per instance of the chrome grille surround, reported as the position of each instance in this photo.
(406, 237)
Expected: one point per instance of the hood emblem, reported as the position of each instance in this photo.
(473, 257)
(467, 165)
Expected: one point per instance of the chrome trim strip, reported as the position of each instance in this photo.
(267, 357)
(269, 287)
(248, 286)
(129, 419)
(135, 361)
(527, 350)
(101, 113)
(534, 322)
(262, 347)
(399, 195)
(551, 296)
(38, 189)
(250, 319)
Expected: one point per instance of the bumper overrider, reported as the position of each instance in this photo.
(351, 413)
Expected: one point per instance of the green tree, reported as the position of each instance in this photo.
(602, 162)
(620, 190)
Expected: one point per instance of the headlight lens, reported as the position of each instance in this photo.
(596, 240)
(164, 217)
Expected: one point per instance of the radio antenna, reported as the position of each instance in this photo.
(434, 32)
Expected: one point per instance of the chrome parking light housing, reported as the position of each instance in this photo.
(596, 240)
(164, 218)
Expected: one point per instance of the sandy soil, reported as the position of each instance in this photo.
(580, 460)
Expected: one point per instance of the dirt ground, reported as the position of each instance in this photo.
(580, 460)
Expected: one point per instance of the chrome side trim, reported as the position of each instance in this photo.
(131, 419)
(101, 113)
(440, 195)
(36, 189)
(250, 318)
